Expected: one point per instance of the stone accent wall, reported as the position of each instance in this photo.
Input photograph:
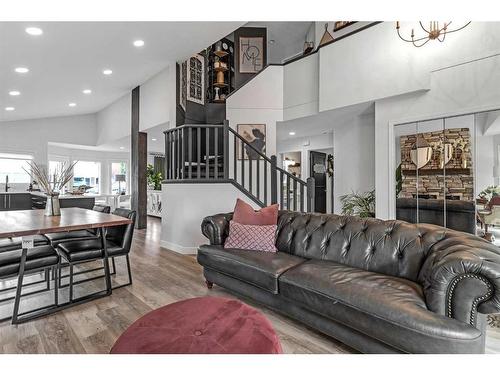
(431, 177)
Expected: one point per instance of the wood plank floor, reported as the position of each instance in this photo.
(160, 277)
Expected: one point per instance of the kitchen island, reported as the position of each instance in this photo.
(27, 200)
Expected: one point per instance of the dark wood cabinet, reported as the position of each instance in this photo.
(15, 201)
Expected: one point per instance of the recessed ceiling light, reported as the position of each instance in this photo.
(22, 69)
(153, 139)
(291, 133)
(34, 31)
(14, 93)
(87, 91)
(9, 108)
(107, 72)
(138, 43)
(72, 104)
(122, 148)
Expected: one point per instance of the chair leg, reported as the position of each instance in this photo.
(56, 287)
(114, 266)
(129, 270)
(19, 288)
(71, 282)
(47, 277)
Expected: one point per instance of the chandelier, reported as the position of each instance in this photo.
(436, 31)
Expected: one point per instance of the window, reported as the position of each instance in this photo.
(87, 173)
(55, 164)
(12, 165)
(119, 177)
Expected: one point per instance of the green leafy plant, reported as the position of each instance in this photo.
(154, 178)
(359, 204)
(489, 192)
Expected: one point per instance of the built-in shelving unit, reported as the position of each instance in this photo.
(220, 69)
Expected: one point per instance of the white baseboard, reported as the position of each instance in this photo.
(178, 248)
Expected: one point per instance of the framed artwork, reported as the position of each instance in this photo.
(183, 84)
(255, 134)
(339, 25)
(251, 54)
(196, 79)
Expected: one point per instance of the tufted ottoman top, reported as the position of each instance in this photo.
(204, 325)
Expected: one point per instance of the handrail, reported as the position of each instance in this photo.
(263, 156)
(195, 153)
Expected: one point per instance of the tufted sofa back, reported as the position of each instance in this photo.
(391, 247)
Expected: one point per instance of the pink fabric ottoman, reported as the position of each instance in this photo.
(205, 325)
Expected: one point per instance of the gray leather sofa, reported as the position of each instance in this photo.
(378, 286)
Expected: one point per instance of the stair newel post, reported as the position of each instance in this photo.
(274, 181)
(226, 149)
(310, 194)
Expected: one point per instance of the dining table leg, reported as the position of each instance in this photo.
(19, 286)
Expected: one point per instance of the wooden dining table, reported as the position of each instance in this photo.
(28, 223)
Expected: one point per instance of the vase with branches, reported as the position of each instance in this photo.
(359, 204)
(51, 184)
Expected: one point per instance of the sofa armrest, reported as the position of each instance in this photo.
(461, 276)
(216, 228)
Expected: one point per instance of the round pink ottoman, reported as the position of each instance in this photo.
(208, 325)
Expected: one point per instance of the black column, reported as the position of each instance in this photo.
(138, 154)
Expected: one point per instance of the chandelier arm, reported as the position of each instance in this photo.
(419, 39)
(423, 44)
(406, 40)
(463, 27)
(442, 40)
(423, 28)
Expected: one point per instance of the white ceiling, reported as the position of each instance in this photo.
(70, 57)
(323, 122)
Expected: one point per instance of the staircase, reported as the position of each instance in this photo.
(217, 154)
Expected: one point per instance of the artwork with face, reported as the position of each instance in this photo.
(256, 136)
(251, 54)
(196, 79)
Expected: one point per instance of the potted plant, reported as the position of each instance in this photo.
(62, 175)
(359, 204)
(154, 178)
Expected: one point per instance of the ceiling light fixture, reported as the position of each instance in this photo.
(435, 32)
(34, 31)
(107, 72)
(21, 70)
(72, 104)
(122, 148)
(9, 108)
(14, 93)
(153, 139)
(291, 133)
(138, 43)
(87, 91)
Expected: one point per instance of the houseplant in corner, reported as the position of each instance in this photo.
(359, 204)
(62, 175)
(154, 178)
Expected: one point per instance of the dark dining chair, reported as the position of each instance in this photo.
(18, 262)
(116, 242)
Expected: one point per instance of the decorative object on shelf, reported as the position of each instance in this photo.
(220, 63)
(421, 153)
(196, 79)
(183, 84)
(308, 47)
(154, 178)
(251, 54)
(436, 31)
(327, 37)
(255, 134)
(463, 146)
(63, 174)
(339, 25)
(358, 204)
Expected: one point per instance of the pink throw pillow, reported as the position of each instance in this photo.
(245, 214)
(251, 237)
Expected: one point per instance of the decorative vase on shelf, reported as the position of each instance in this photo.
(217, 97)
(53, 208)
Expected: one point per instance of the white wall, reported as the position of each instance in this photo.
(113, 122)
(185, 206)
(32, 136)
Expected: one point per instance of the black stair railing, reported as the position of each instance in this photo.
(217, 153)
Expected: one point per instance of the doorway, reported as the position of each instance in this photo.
(317, 165)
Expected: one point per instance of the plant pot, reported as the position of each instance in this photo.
(52, 208)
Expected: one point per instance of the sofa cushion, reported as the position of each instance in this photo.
(390, 309)
(251, 237)
(245, 214)
(258, 268)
